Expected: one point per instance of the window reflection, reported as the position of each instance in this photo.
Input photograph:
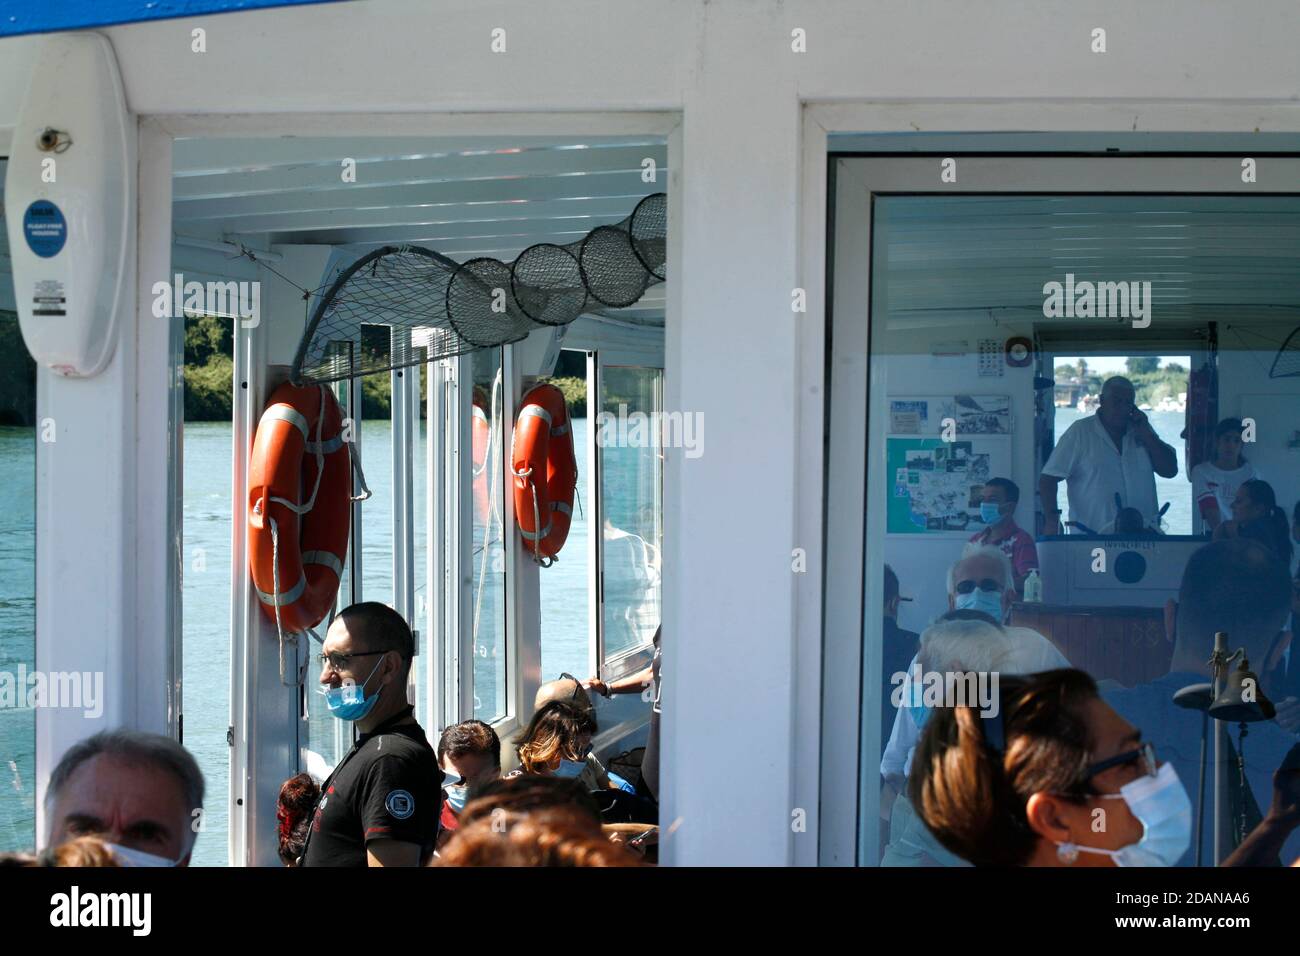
(631, 505)
(1097, 498)
(488, 593)
(564, 587)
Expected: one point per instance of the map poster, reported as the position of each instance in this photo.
(936, 484)
(970, 414)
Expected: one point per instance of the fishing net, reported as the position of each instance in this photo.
(405, 305)
(1286, 363)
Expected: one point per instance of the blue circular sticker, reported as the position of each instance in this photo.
(400, 804)
(45, 228)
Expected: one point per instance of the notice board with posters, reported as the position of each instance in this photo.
(934, 483)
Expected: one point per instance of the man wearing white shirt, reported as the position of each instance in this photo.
(1113, 452)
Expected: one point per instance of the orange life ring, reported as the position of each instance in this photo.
(299, 517)
(545, 471)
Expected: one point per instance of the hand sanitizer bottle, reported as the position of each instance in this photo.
(1033, 588)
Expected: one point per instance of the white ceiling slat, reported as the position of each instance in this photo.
(465, 198)
(451, 240)
(574, 189)
(451, 220)
(422, 170)
(989, 207)
(202, 157)
(945, 255)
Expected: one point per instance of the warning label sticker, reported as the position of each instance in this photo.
(49, 298)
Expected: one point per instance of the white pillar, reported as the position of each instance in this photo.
(731, 357)
(101, 519)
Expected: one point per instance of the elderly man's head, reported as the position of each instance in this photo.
(982, 580)
(1117, 402)
(140, 792)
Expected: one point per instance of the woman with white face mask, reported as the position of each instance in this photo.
(1071, 782)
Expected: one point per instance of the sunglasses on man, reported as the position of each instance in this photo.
(987, 585)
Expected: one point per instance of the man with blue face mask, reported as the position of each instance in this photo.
(469, 754)
(998, 500)
(982, 580)
(380, 806)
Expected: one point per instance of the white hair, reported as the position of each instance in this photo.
(966, 644)
(969, 644)
(974, 550)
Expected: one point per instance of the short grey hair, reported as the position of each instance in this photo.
(974, 550)
(962, 645)
(133, 747)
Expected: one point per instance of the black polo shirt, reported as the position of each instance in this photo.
(388, 787)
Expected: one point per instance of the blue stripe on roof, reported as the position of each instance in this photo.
(19, 17)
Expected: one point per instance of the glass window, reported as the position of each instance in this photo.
(207, 449)
(565, 586)
(631, 505)
(985, 399)
(1161, 384)
(327, 737)
(377, 510)
(18, 437)
(419, 484)
(487, 615)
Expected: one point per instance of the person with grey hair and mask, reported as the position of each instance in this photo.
(141, 793)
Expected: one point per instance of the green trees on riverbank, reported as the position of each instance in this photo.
(1150, 381)
(209, 376)
(210, 368)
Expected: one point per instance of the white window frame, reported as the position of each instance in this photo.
(636, 658)
(450, 672)
(852, 556)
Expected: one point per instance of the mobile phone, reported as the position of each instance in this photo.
(645, 837)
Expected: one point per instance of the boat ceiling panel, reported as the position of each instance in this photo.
(960, 255)
(465, 198)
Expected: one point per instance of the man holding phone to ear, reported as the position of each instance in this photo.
(1114, 452)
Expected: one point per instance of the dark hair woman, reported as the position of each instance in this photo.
(293, 815)
(1256, 515)
(1023, 786)
(557, 740)
(1215, 481)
